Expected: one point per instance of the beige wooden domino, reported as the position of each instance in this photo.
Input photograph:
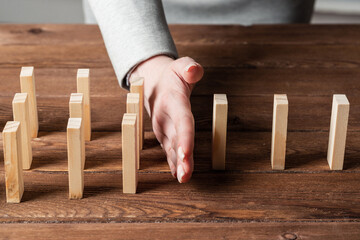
(12, 161)
(76, 109)
(20, 105)
(137, 86)
(83, 86)
(219, 128)
(75, 147)
(129, 152)
(279, 131)
(27, 84)
(338, 130)
(133, 106)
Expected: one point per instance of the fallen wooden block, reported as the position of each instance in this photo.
(12, 161)
(338, 130)
(137, 86)
(27, 84)
(20, 106)
(133, 106)
(83, 86)
(219, 128)
(75, 147)
(129, 152)
(279, 131)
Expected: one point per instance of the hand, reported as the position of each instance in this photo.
(167, 88)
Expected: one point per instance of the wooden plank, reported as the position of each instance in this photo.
(83, 86)
(338, 130)
(219, 129)
(275, 34)
(27, 84)
(21, 113)
(196, 231)
(80, 34)
(133, 106)
(253, 148)
(294, 82)
(137, 86)
(243, 56)
(130, 152)
(254, 115)
(13, 162)
(160, 198)
(279, 131)
(75, 149)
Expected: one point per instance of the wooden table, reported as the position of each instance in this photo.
(248, 200)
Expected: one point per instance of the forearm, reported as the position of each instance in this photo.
(133, 32)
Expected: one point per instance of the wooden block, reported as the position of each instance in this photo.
(75, 146)
(129, 152)
(279, 131)
(137, 86)
(219, 128)
(27, 84)
(83, 86)
(133, 106)
(21, 114)
(338, 130)
(76, 109)
(12, 161)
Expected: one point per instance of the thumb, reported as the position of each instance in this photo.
(188, 69)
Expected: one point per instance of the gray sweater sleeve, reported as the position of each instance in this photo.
(133, 32)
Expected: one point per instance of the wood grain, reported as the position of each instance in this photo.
(299, 82)
(179, 231)
(272, 196)
(246, 113)
(306, 200)
(246, 152)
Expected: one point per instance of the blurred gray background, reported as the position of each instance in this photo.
(70, 11)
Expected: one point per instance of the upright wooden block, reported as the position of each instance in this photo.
(137, 86)
(12, 161)
(76, 146)
(21, 114)
(83, 86)
(27, 84)
(76, 109)
(279, 131)
(219, 128)
(338, 130)
(133, 106)
(129, 152)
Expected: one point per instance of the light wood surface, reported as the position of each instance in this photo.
(133, 106)
(130, 152)
(83, 86)
(279, 131)
(75, 149)
(219, 131)
(76, 109)
(21, 113)
(137, 86)
(12, 160)
(27, 84)
(338, 131)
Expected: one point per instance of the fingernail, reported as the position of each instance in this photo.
(191, 67)
(180, 173)
(181, 154)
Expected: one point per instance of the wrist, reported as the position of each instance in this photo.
(152, 68)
